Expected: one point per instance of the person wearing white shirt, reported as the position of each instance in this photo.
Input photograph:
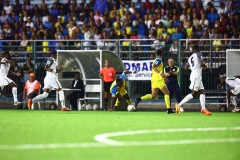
(8, 8)
(233, 89)
(196, 65)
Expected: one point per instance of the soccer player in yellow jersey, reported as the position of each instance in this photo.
(157, 82)
(118, 91)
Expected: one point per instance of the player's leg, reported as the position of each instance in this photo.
(166, 93)
(14, 92)
(202, 99)
(155, 90)
(188, 97)
(119, 98)
(177, 94)
(107, 86)
(233, 93)
(126, 96)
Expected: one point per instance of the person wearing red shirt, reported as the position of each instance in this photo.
(107, 75)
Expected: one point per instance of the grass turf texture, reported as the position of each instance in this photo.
(48, 127)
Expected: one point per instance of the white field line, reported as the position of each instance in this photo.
(104, 138)
(104, 141)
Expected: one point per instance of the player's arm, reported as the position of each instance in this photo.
(156, 70)
(48, 65)
(200, 61)
(174, 73)
(5, 62)
(15, 73)
(60, 69)
(186, 67)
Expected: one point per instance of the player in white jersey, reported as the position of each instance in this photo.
(233, 89)
(196, 65)
(4, 80)
(51, 81)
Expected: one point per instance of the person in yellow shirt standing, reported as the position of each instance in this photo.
(157, 83)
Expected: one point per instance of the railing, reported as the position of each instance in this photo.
(127, 49)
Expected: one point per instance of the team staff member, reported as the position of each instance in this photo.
(107, 75)
(157, 83)
(31, 89)
(172, 72)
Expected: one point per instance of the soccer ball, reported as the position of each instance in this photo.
(95, 107)
(131, 108)
(83, 107)
(89, 107)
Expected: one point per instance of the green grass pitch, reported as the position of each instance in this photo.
(121, 135)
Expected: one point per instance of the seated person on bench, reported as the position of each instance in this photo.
(77, 83)
(31, 89)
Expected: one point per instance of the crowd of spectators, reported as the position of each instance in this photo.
(164, 22)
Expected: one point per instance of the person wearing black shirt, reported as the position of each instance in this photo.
(172, 71)
(77, 83)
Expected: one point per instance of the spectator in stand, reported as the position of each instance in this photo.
(177, 35)
(8, 8)
(232, 10)
(190, 29)
(101, 6)
(3, 16)
(222, 8)
(17, 7)
(195, 20)
(199, 32)
(212, 17)
(175, 21)
(204, 22)
(171, 29)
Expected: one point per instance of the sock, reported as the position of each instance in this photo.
(105, 102)
(129, 102)
(40, 96)
(62, 98)
(233, 101)
(167, 101)
(14, 92)
(202, 101)
(186, 99)
(146, 97)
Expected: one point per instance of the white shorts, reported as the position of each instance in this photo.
(236, 90)
(196, 84)
(51, 83)
(4, 81)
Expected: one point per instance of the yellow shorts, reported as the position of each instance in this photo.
(158, 84)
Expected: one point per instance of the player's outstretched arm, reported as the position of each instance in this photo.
(15, 73)
(60, 69)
